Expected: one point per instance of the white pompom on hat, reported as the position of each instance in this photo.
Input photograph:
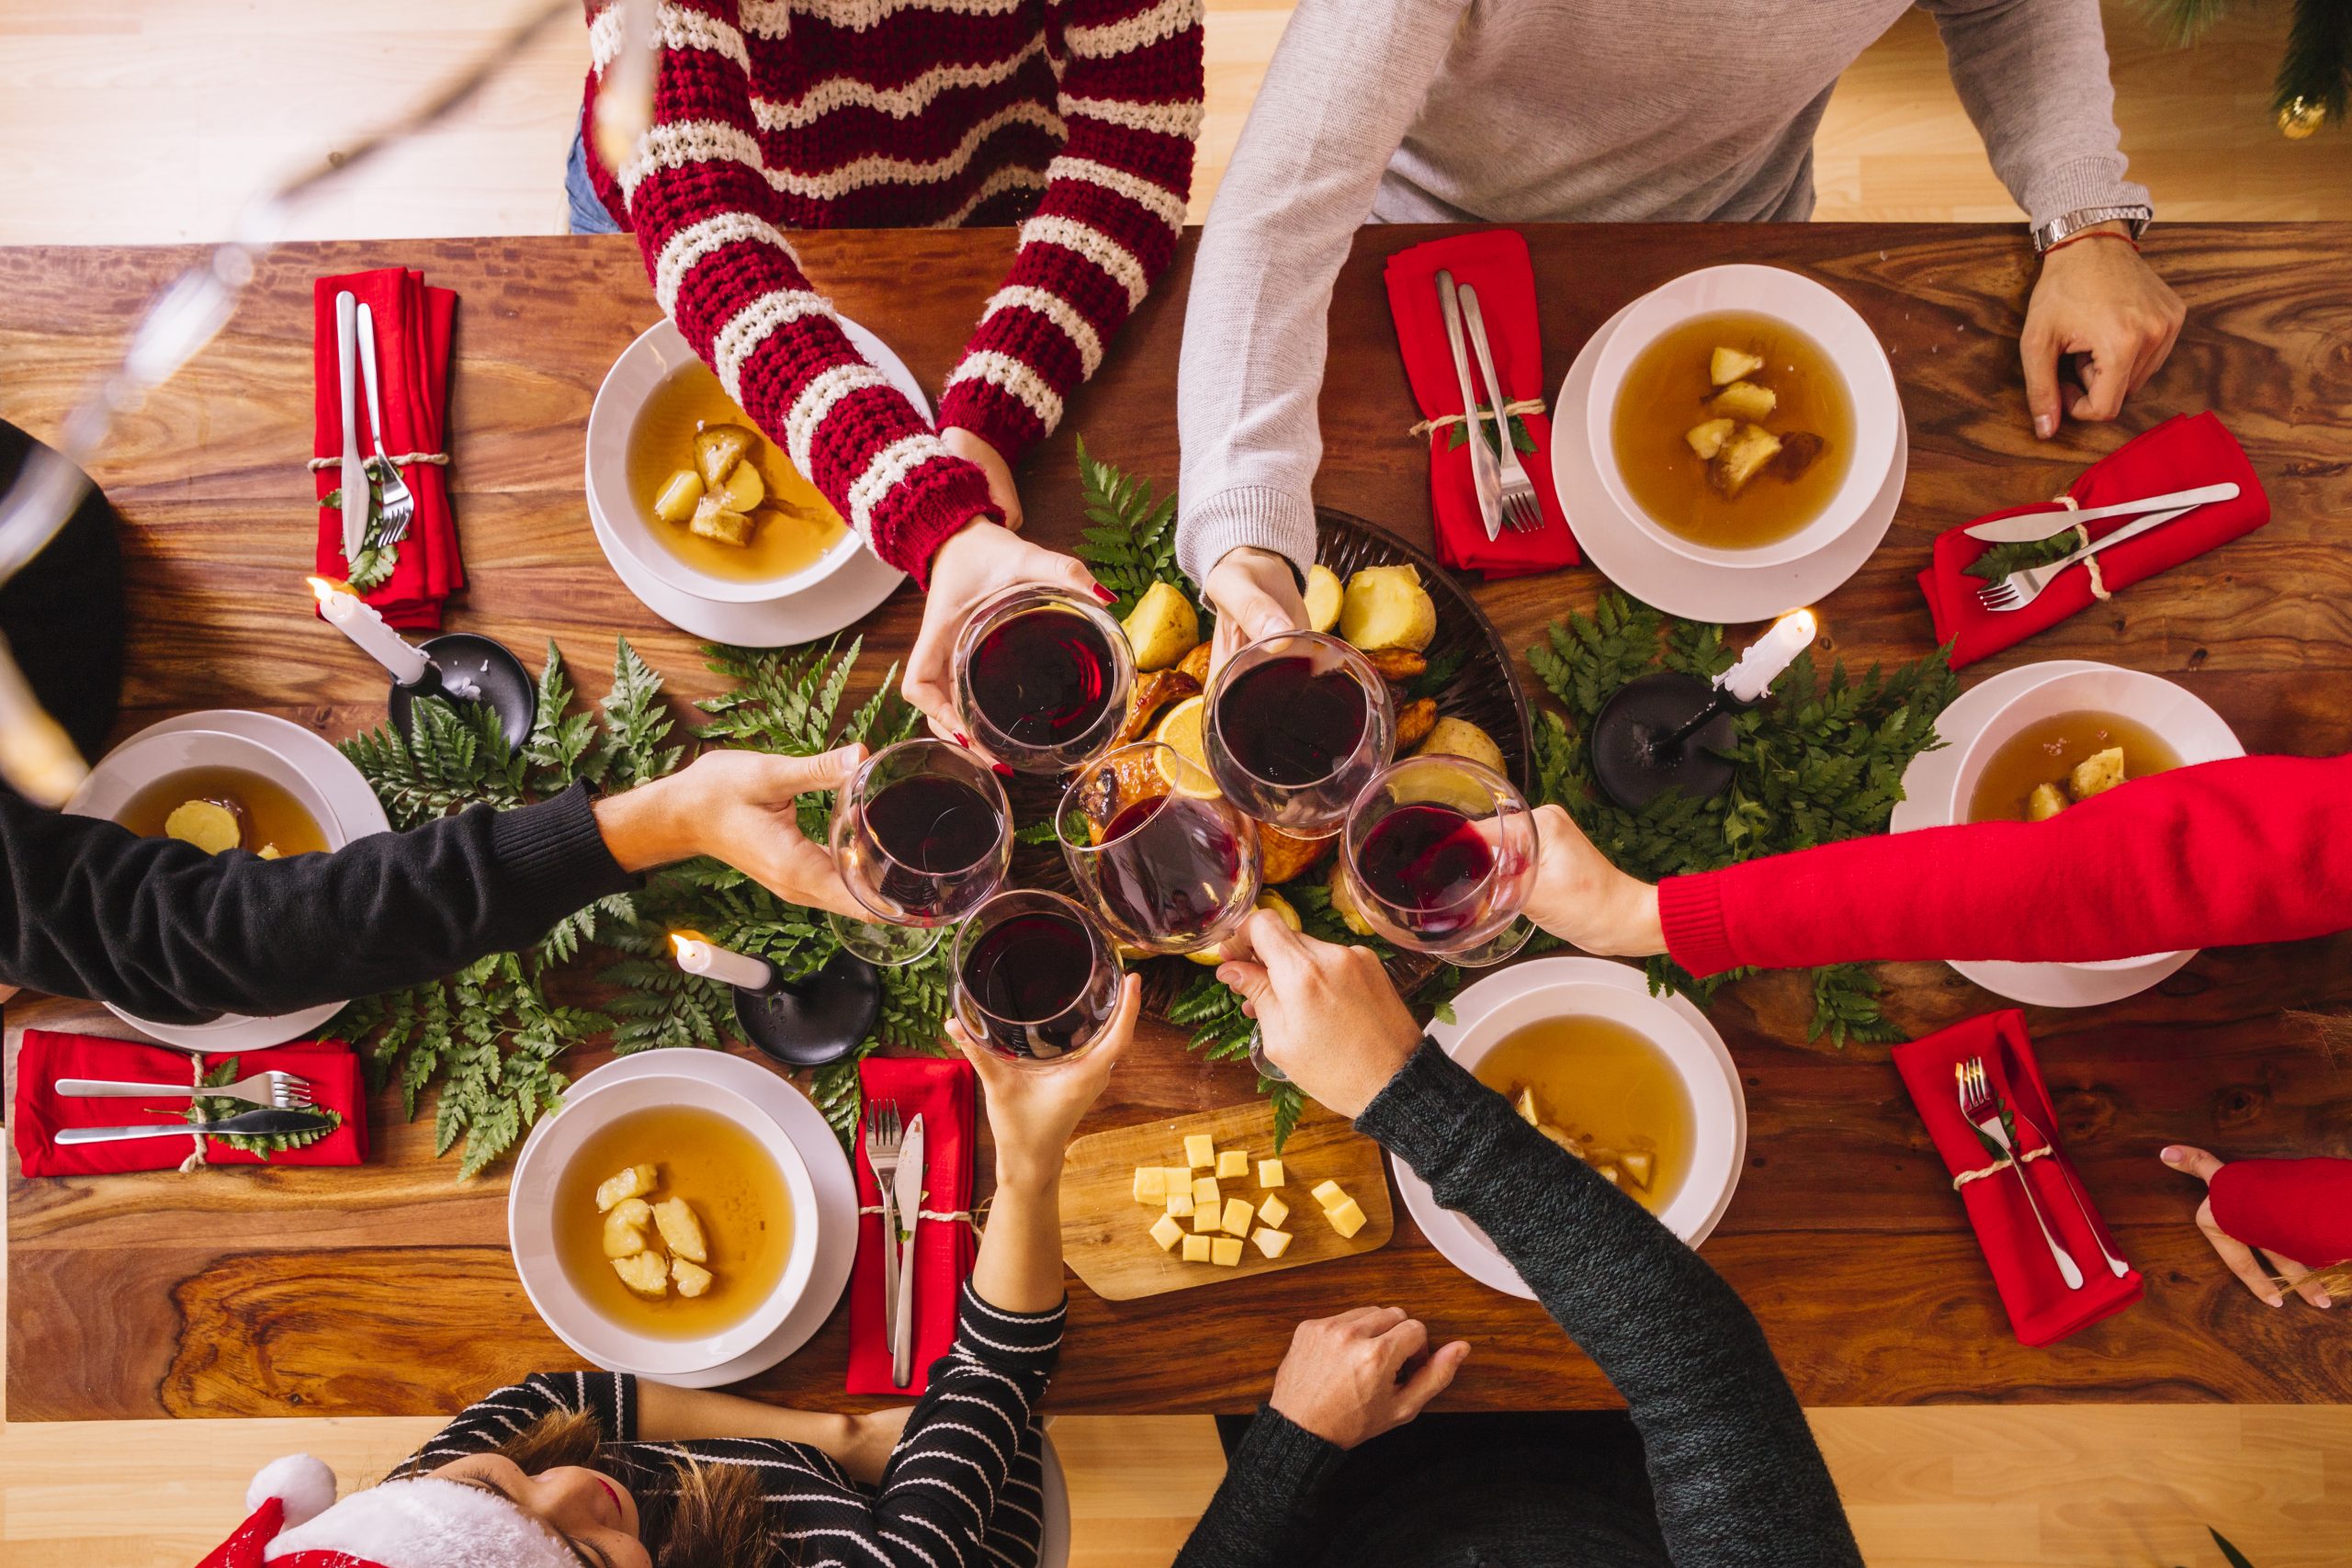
(419, 1523)
(303, 1486)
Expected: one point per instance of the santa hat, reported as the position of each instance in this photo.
(421, 1523)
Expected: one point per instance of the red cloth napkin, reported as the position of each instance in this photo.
(944, 1092)
(412, 330)
(331, 1065)
(2300, 1208)
(2182, 453)
(2042, 1308)
(1495, 263)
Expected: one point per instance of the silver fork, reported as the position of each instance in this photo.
(399, 502)
(279, 1091)
(1521, 512)
(2021, 588)
(883, 1132)
(1983, 1113)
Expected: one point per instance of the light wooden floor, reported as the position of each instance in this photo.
(146, 120)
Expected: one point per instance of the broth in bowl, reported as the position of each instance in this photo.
(645, 1194)
(2063, 760)
(219, 809)
(1605, 1092)
(716, 494)
(1732, 430)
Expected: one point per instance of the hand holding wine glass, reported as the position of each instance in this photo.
(1438, 856)
(922, 833)
(1330, 1017)
(1255, 594)
(1034, 1113)
(1582, 898)
(741, 807)
(974, 566)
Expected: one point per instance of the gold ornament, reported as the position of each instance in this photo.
(2301, 118)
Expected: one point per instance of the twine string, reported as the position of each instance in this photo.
(2083, 532)
(371, 464)
(195, 1160)
(1998, 1166)
(1520, 407)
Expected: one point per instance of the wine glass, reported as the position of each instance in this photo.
(1042, 679)
(1438, 856)
(1037, 977)
(922, 833)
(1166, 862)
(1296, 725)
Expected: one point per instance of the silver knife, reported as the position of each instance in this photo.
(249, 1123)
(355, 467)
(2032, 526)
(909, 1185)
(1484, 477)
(2020, 1086)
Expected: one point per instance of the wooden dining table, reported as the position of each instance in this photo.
(387, 1288)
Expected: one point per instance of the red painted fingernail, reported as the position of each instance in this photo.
(964, 740)
(1105, 594)
(1000, 767)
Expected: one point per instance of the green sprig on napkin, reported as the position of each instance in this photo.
(206, 1108)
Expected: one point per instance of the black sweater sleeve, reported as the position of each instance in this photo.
(1732, 1462)
(160, 929)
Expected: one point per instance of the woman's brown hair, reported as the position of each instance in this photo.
(716, 1521)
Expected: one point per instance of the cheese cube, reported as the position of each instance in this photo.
(1329, 1194)
(1180, 1205)
(1151, 1184)
(1179, 1178)
(1272, 1242)
(1208, 1217)
(1167, 1232)
(1225, 1252)
(1347, 1219)
(1200, 1149)
(1204, 1190)
(1274, 1211)
(1236, 1216)
(1196, 1249)
(1269, 1173)
(1232, 1162)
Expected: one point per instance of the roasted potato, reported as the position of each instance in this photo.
(1746, 399)
(1460, 737)
(1728, 365)
(1324, 598)
(676, 502)
(1281, 856)
(718, 449)
(625, 1226)
(1415, 720)
(1742, 457)
(691, 1279)
(1386, 606)
(1152, 693)
(1707, 437)
(633, 1181)
(644, 1272)
(681, 1230)
(743, 487)
(2046, 801)
(211, 825)
(1162, 628)
(714, 519)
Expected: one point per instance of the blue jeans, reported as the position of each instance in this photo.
(588, 214)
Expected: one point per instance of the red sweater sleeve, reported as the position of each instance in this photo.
(698, 195)
(2300, 1208)
(2253, 849)
(1105, 229)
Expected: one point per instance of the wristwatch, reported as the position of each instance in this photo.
(2048, 234)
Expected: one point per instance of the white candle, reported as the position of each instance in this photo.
(358, 619)
(1774, 652)
(697, 957)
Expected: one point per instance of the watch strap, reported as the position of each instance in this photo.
(2137, 216)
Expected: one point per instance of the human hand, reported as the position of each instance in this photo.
(1340, 1379)
(1255, 594)
(973, 567)
(974, 449)
(1580, 896)
(2098, 297)
(2235, 1253)
(743, 808)
(1034, 1109)
(869, 1440)
(1330, 1017)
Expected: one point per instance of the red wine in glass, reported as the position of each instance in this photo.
(1169, 867)
(1291, 723)
(929, 825)
(1035, 979)
(1043, 678)
(1427, 862)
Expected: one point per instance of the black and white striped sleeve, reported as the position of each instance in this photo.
(948, 1475)
(610, 1397)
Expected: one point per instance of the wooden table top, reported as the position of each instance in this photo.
(387, 1290)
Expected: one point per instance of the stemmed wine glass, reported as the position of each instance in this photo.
(1294, 726)
(1037, 977)
(1166, 862)
(1042, 679)
(922, 833)
(1439, 855)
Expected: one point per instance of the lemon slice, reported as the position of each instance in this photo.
(1210, 957)
(1180, 730)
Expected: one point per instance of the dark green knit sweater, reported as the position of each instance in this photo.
(1733, 1469)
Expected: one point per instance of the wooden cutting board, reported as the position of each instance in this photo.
(1106, 1233)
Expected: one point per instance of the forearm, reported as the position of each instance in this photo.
(1020, 1265)
(667, 1415)
(1344, 86)
(1264, 1511)
(1732, 1461)
(2253, 849)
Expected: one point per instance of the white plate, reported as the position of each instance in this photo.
(352, 812)
(1927, 786)
(831, 595)
(1460, 1242)
(1674, 584)
(829, 1172)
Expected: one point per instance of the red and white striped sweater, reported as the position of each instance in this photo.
(1075, 118)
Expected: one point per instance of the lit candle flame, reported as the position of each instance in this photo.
(324, 588)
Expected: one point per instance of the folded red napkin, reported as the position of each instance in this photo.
(1495, 263)
(413, 330)
(2182, 453)
(2299, 1209)
(944, 1093)
(331, 1065)
(2041, 1308)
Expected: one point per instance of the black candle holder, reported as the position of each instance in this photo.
(1661, 731)
(811, 1021)
(469, 667)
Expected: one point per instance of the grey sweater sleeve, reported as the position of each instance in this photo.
(1737, 1477)
(2033, 76)
(1344, 84)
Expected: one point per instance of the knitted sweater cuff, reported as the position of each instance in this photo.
(991, 415)
(1284, 1459)
(1248, 516)
(934, 505)
(553, 855)
(1419, 1115)
(1690, 909)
